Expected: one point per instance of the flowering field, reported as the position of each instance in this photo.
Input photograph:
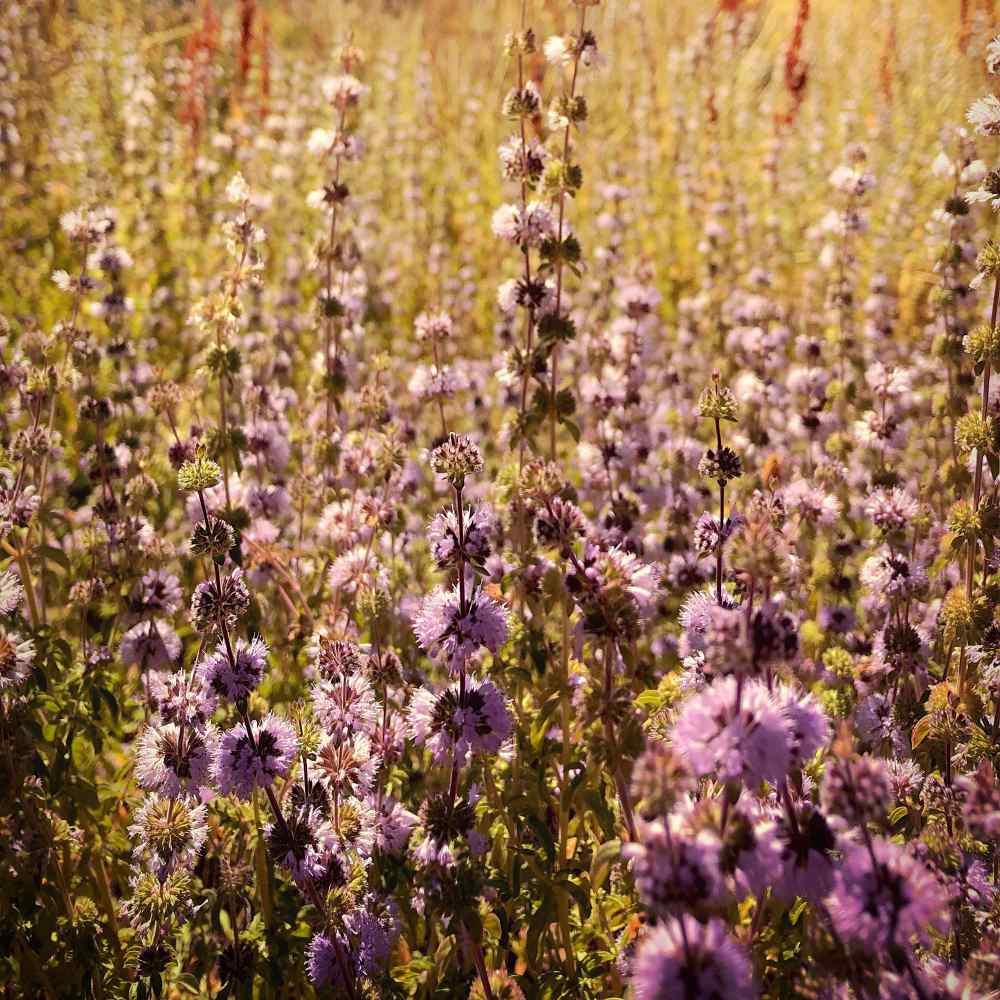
(499, 500)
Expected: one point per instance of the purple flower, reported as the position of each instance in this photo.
(245, 761)
(324, 966)
(394, 826)
(442, 630)
(477, 721)
(884, 899)
(750, 742)
(173, 761)
(346, 704)
(477, 526)
(160, 593)
(235, 679)
(686, 960)
(346, 765)
(675, 871)
(374, 929)
(150, 645)
(804, 850)
(181, 697)
(809, 728)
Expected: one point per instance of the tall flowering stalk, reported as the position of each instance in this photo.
(336, 147)
(562, 179)
(470, 717)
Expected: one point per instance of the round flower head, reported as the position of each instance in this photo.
(346, 765)
(150, 645)
(168, 834)
(211, 604)
(334, 658)
(891, 510)
(11, 592)
(303, 843)
(453, 723)
(432, 326)
(447, 825)
(857, 788)
(344, 91)
(477, 526)
(686, 960)
(235, 679)
(615, 590)
(182, 697)
(159, 593)
(675, 872)
(749, 742)
(346, 704)
(526, 227)
(443, 631)
(884, 899)
(16, 658)
(243, 763)
(804, 852)
(394, 826)
(173, 762)
(559, 524)
(456, 458)
(374, 927)
(809, 728)
(325, 967)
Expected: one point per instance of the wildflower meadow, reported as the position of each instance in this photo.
(499, 499)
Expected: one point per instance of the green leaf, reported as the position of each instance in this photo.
(604, 857)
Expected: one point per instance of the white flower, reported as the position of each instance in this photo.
(984, 115)
(237, 190)
(320, 140)
(343, 91)
(559, 50)
(993, 56)
(941, 167)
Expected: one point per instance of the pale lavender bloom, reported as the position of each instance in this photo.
(181, 697)
(171, 762)
(241, 765)
(432, 326)
(675, 871)
(150, 645)
(346, 704)
(749, 744)
(808, 726)
(527, 227)
(16, 658)
(160, 593)
(444, 632)
(393, 826)
(698, 962)
(885, 899)
(354, 569)
(478, 525)
(891, 510)
(452, 723)
(235, 679)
